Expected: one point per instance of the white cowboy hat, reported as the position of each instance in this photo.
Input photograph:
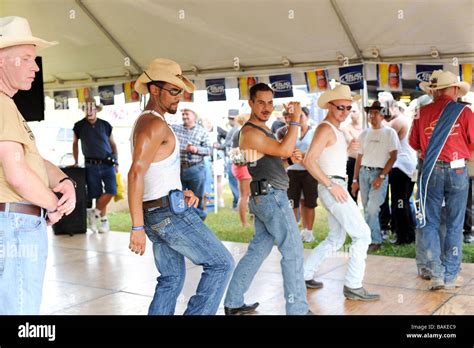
(91, 101)
(340, 92)
(161, 69)
(16, 31)
(443, 79)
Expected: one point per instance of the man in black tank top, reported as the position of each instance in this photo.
(274, 219)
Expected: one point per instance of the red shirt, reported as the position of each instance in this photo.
(459, 140)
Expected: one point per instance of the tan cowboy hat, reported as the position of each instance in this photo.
(339, 92)
(15, 31)
(91, 100)
(443, 79)
(161, 69)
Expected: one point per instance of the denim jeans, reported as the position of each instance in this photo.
(372, 199)
(452, 186)
(421, 260)
(175, 237)
(234, 185)
(342, 218)
(23, 253)
(193, 178)
(274, 221)
(100, 178)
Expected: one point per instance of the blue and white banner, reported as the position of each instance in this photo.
(215, 89)
(282, 85)
(107, 94)
(352, 76)
(423, 73)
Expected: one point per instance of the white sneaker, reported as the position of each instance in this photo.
(221, 203)
(93, 215)
(307, 236)
(104, 225)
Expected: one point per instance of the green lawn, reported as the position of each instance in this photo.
(226, 226)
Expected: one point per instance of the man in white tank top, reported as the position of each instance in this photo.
(326, 161)
(155, 172)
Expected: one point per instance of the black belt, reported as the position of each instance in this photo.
(186, 165)
(336, 177)
(372, 168)
(93, 161)
(161, 202)
(28, 209)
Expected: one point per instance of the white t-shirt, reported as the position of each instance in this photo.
(376, 145)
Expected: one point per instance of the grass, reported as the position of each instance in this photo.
(226, 225)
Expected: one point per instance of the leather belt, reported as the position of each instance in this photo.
(161, 202)
(28, 209)
(336, 177)
(372, 168)
(93, 161)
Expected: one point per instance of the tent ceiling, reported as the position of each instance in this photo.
(258, 32)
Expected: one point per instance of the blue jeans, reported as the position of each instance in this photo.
(450, 185)
(100, 178)
(234, 185)
(23, 253)
(421, 260)
(193, 178)
(175, 237)
(372, 199)
(274, 221)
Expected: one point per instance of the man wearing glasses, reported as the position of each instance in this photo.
(326, 161)
(158, 208)
(194, 146)
(377, 153)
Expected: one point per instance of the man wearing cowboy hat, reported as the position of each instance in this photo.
(27, 181)
(326, 161)
(100, 151)
(377, 154)
(446, 175)
(155, 172)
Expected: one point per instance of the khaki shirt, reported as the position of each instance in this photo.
(13, 127)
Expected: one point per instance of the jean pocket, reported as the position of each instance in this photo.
(164, 230)
(458, 179)
(28, 223)
(262, 206)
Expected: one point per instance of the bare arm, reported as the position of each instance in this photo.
(113, 145)
(24, 180)
(75, 149)
(67, 202)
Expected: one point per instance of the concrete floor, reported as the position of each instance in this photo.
(97, 274)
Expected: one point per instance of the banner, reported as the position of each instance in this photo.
(188, 97)
(106, 94)
(389, 77)
(465, 71)
(423, 73)
(282, 85)
(61, 100)
(245, 83)
(317, 80)
(215, 89)
(352, 76)
(82, 94)
(129, 92)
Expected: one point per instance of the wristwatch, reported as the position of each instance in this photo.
(382, 176)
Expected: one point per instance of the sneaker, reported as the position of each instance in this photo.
(385, 234)
(313, 284)
(359, 294)
(436, 284)
(93, 215)
(468, 238)
(424, 273)
(453, 284)
(104, 225)
(307, 236)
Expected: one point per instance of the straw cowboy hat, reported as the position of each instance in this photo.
(166, 70)
(443, 79)
(91, 100)
(340, 92)
(16, 31)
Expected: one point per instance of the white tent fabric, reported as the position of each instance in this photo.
(208, 35)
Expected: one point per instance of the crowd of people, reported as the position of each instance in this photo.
(277, 172)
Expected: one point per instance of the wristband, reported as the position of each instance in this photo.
(355, 180)
(138, 228)
(70, 179)
(295, 123)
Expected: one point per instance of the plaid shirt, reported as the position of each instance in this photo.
(196, 136)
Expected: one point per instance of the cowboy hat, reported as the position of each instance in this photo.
(15, 31)
(91, 100)
(161, 69)
(375, 106)
(340, 92)
(443, 79)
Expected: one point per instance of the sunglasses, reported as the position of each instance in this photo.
(174, 91)
(342, 107)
